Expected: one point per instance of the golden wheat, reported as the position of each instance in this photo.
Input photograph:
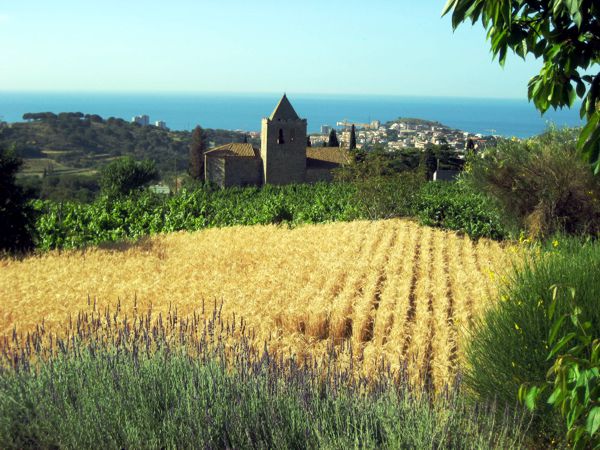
(392, 290)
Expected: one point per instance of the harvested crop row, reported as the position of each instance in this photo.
(393, 290)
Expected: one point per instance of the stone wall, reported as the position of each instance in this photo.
(214, 170)
(243, 172)
(285, 162)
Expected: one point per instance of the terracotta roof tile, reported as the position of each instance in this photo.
(234, 150)
(335, 155)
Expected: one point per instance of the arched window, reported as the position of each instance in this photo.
(280, 137)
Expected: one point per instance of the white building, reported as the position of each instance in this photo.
(161, 124)
(143, 120)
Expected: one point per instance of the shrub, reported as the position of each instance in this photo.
(458, 207)
(574, 377)
(382, 197)
(16, 216)
(542, 184)
(125, 175)
(509, 345)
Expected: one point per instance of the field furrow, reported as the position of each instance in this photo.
(389, 290)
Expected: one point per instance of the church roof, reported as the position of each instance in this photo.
(284, 110)
(234, 149)
(336, 155)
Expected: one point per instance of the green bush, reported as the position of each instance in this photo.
(509, 345)
(457, 207)
(382, 197)
(125, 175)
(574, 379)
(449, 205)
(16, 215)
(73, 225)
(542, 184)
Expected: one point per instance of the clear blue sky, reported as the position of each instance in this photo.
(399, 47)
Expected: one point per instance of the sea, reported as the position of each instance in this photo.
(181, 111)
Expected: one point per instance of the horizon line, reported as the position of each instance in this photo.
(250, 93)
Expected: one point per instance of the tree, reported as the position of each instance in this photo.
(308, 143)
(333, 140)
(16, 216)
(352, 138)
(566, 34)
(197, 149)
(125, 175)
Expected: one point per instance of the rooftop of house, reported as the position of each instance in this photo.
(239, 150)
(334, 155)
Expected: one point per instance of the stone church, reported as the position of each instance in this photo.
(283, 156)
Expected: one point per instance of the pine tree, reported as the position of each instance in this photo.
(197, 149)
(353, 138)
(245, 141)
(308, 144)
(333, 140)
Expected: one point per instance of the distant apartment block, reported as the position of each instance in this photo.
(325, 129)
(143, 120)
(161, 124)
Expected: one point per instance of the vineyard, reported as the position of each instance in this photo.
(386, 290)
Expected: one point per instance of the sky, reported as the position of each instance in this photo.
(382, 47)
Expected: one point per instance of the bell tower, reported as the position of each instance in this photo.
(283, 145)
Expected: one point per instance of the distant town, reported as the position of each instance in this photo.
(394, 135)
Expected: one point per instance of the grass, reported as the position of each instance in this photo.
(141, 381)
(392, 289)
(509, 344)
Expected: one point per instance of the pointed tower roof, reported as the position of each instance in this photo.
(284, 110)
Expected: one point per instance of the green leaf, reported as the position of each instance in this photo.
(555, 326)
(448, 6)
(593, 420)
(531, 397)
(556, 396)
(561, 344)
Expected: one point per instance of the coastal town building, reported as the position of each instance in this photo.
(143, 120)
(282, 158)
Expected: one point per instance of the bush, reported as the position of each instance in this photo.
(542, 184)
(382, 197)
(457, 207)
(125, 175)
(574, 378)
(509, 345)
(16, 216)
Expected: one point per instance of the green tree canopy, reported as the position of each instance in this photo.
(333, 140)
(352, 138)
(197, 149)
(125, 175)
(565, 34)
(15, 213)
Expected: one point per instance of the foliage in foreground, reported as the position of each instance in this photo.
(455, 206)
(565, 34)
(509, 346)
(15, 213)
(115, 382)
(72, 225)
(574, 378)
(541, 184)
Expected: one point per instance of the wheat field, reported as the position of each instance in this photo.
(394, 290)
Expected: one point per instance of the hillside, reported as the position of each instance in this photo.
(73, 143)
(392, 288)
